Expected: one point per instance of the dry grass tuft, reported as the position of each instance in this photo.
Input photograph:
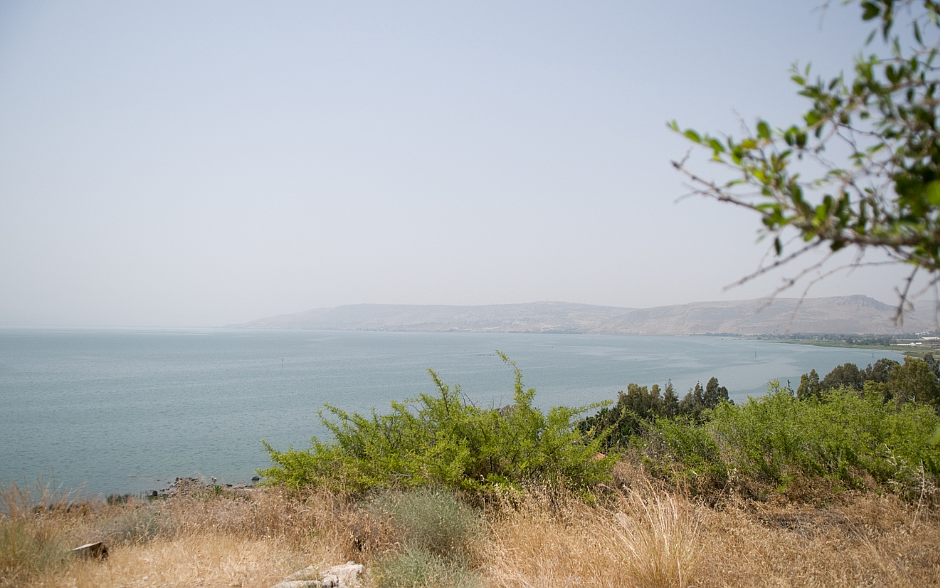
(659, 534)
(637, 539)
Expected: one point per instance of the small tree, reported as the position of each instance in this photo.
(915, 381)
(862, 169)
(846, 375)
(809, 386)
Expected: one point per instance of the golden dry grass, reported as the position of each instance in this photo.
(199, 539)
(651, 538)
(207, 559)
(864, 540)
(639, 537)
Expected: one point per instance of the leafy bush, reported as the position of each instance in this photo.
(442, 440)
(683, 451)
(841, 436)
(636, 408)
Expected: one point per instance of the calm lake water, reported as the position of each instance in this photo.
(125, 411)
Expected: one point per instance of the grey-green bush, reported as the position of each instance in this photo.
(438, 535)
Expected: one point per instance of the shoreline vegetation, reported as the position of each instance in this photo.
(836, 483)
(909, 344)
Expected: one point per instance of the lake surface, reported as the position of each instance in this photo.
(126, 411)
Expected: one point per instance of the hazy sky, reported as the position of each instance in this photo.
(205, 163)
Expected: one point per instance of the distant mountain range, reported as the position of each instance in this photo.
(839, 314)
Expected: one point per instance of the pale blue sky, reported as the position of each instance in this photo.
(205, 163)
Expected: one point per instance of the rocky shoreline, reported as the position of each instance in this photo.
(190, 485)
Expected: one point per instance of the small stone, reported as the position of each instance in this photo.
(347, 575)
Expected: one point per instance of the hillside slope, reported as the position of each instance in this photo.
(840, 314)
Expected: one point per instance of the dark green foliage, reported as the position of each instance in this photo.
(628, 417)
(846, 375)
(809, 386)
(442, 440)
(841, 436)
(916, 380)
(881, 370)
(640, 405)
(698, 400)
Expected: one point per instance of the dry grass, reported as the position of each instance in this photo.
(208, 559)
(636, 537)
(650, 538)
(864, 540)
(199, 539)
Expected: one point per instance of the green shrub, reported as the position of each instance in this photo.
(681, 451)
(842, 436)
(442, 440)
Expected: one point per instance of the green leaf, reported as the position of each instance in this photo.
(763, 130)
(692, 136)
(933, 192)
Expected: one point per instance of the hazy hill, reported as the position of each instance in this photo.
(840, 314)
(536, 317)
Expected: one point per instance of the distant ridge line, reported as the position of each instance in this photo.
(856, 314)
